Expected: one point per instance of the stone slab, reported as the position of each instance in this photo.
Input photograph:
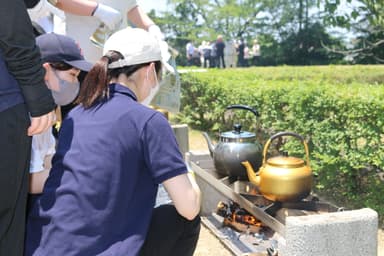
(347, 233)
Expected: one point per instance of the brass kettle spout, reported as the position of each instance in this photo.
(252, 176)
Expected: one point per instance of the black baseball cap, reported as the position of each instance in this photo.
(60, 48)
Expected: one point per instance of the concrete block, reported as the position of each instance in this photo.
(346, 233)
(209, 198)
(181, 133)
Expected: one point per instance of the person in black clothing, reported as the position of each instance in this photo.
(220, 45)
(240, 54)
(26, 109)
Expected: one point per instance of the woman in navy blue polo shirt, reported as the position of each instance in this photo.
(112, 154)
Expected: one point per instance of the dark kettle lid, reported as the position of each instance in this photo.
(237, 133)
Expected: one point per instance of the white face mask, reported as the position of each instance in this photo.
(152, 93)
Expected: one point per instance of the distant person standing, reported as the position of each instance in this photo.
(230, 54)
(201, 53)
(220, 45)
(240, 53)
(213, 59)
(247, 55)
(255, 52)
(206, 54)
(189, 51)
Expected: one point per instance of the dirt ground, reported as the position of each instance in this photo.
(208, 244)
(380, 236)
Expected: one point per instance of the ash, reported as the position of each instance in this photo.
(265, 241)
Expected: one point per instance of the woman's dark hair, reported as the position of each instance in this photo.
(95, 86)
(60, 66)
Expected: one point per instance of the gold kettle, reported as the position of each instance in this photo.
(282, 178)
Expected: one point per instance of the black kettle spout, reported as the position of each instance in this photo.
(211, 147)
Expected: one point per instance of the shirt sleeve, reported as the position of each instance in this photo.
(39, 11)
(22, 56)
(43, 145)
(161, 149)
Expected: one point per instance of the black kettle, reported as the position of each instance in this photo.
(234, 147)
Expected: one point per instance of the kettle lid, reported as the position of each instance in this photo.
(286, 162)
(237, 133)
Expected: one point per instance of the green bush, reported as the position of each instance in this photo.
(338, 109)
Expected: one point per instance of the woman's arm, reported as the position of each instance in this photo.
(77, 7)
(18, 47)
(185, 194)
(38, 179)
(139, 18)
(108, 15)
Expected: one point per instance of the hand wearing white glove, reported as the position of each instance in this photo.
(156, 32)
(109, 16)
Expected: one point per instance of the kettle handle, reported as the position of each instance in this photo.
(280, 134)
(238, 106)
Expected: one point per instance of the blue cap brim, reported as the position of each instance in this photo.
(80, 64)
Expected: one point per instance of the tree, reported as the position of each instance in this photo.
(297, 35)
(272, 22)
(365, 19)
(232, 18)
(297, 51)
(204, 19)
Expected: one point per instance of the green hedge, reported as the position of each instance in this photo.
(338, 109)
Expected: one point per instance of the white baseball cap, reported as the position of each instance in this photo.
(137, 46)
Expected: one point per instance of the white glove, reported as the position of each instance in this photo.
(155, 31)
(165, 56)
(109, 16)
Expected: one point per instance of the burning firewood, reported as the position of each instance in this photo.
(238, 218)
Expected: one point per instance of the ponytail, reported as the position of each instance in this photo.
(95, 85)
